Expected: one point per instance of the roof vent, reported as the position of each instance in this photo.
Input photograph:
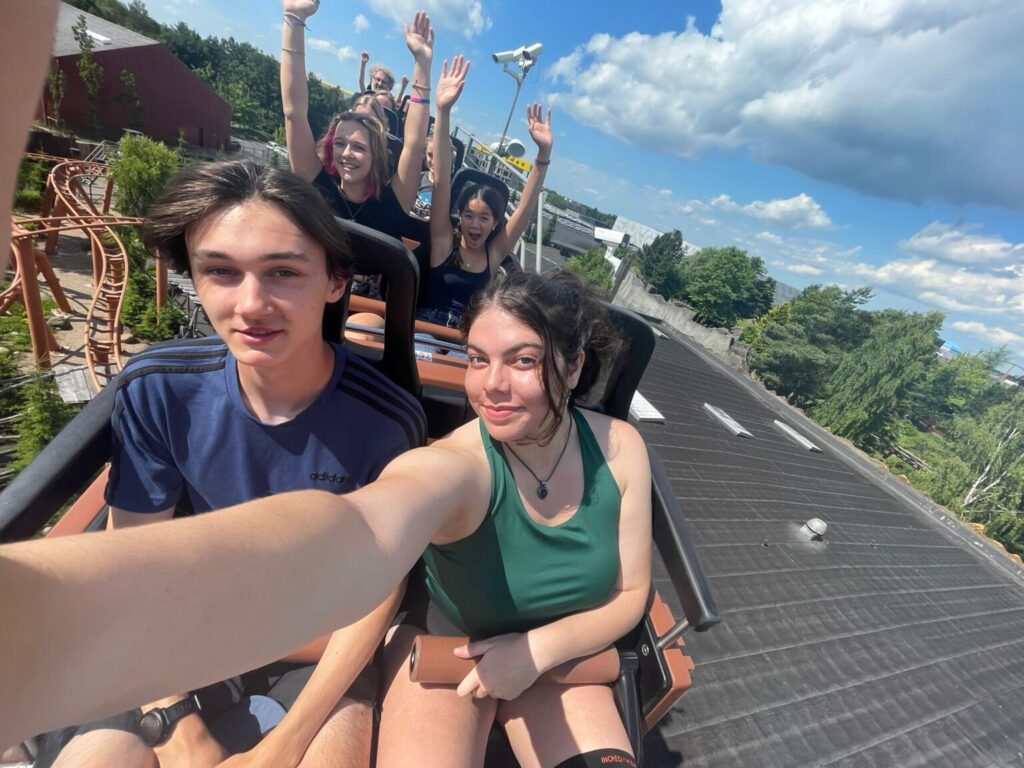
(101, 39)
(727, 421)
(814, 529)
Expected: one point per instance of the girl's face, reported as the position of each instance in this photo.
(504, 382)
(476, 221)
(352, 155)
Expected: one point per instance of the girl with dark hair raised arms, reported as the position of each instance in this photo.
(532, 478)
(462, 261)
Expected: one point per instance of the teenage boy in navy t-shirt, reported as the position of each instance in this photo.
(268, 406)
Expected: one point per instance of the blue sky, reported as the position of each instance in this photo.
(871, 143)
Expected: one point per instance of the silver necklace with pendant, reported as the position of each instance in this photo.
(542, 485)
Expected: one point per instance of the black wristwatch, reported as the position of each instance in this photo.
(155, 726)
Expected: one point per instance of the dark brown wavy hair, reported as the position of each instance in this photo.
(568, 317)
(204, 189)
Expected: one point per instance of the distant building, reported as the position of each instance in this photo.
(784, 293)
(948, 350)
(639, 234)
(175, 101)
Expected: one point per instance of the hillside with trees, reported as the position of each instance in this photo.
(723, 284)
(874, 377)
(241, 74)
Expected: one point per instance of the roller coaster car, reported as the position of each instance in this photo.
(654, 668)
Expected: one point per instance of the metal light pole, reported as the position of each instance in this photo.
(523, 57)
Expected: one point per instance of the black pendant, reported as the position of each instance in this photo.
(542, 491)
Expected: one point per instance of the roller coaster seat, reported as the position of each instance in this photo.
(655, 669)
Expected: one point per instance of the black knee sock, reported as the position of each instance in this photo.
(600, 758)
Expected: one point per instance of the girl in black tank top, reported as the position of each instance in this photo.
(464, 259)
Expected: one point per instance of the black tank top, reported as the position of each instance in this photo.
(449, 289)
(385, 215)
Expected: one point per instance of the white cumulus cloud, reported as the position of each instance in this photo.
(951, 243)
(996, 334)
(343, 52)
(360, 23)
(873, 95)
(466, 17)
(800, 211)
(947, 286)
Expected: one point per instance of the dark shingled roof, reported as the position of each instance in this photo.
(64, 43)
(898, 641)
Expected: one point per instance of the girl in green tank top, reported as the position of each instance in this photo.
(547, 560)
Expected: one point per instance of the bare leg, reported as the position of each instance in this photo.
(344, 739)
(428, 725)
(106, 747)
(368, 319)
(550, 723)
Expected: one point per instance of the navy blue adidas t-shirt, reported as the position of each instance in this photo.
(181, 429)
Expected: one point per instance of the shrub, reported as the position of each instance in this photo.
(42, 416)
(31, 184)
(140, 172)
(139, 312)
(594, 269)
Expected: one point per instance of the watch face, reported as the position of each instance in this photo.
(151, 728)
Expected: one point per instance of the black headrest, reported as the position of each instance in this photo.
(393, 123)
(378, 254)
(467, 176)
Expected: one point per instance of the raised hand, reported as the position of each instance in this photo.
(420, 38)
(301, 8)
(451, 83)
(540, 129)
(364, 57)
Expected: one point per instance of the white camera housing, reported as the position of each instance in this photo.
(523, 52)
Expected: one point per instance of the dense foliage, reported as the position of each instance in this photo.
(28, 194)
(240, 73)
(723, 285)
(31, 412)
(874, 377)
(140, 172)
(594, 269)
(658, 263)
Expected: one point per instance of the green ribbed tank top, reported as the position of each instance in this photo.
(512, 574)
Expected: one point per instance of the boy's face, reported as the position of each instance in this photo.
(263, 283)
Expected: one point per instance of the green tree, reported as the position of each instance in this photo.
(873, 386)
(753, 333)
(593, 268)
(549, 229)
(963, 385)
(56, 87)
(89, 70)
(130, 97)
(658, 263)
(140, 172)
(798, 345)
(725, 284)
(992, 445)
(792, 365)
(1007, 527)
(41, 417)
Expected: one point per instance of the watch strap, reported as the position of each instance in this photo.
(183, 708)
